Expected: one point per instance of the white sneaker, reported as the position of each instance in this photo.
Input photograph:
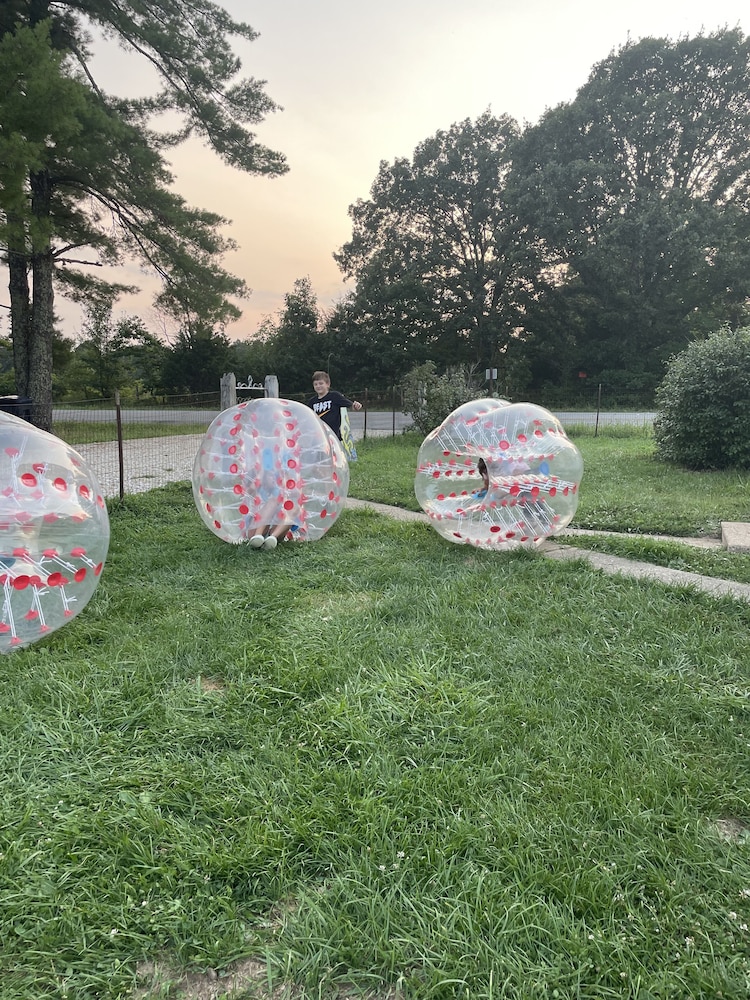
(256, 542)
(270, 542)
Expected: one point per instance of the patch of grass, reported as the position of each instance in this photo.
(379, 764)
(385, 469)
(625, 488)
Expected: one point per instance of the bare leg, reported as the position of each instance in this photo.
(267, 511)
(269, 535)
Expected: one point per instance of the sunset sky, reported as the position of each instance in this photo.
(361, 83)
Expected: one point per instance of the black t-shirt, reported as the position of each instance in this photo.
(328, 408)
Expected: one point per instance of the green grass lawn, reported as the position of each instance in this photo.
(378, 765)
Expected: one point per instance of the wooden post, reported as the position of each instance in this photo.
(120, 457)
(228, 391)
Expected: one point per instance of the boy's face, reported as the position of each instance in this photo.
(321, 386)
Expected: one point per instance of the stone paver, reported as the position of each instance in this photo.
(735, 536)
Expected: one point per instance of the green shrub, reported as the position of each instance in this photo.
(429, 397)
(704, 404)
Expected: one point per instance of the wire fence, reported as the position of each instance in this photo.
(137, 447)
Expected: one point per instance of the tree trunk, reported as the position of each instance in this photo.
(39, 379)
(40, 353)
(20, 303)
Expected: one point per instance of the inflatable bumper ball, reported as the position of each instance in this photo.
(498, 475)
(269, 463)
(54, 533)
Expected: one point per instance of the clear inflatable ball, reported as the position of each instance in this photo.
(498, 475)
(269, 463)
(54, 533)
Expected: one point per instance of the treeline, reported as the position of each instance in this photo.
(595, 244)
(120, 354)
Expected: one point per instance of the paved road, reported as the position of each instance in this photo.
(640, 418)
(378, 423)
(157, 415)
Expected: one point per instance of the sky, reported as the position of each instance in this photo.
(362, 82)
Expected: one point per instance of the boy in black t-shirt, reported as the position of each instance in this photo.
(327, 403)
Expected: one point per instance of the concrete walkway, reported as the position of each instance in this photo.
(616, 565)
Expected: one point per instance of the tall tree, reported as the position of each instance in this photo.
(638, 193)
(82, 169)
(296, 342)
(356, 355)
(140, 354)
(196, 361)
(115, 354)
(98, 350)
(249, 359)
(440, 269)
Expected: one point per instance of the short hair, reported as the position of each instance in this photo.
(321, 375)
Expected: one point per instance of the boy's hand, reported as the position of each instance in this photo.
(356, 405)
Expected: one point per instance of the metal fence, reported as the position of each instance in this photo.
(132, 448)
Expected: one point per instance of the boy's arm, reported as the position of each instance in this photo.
(350, 404)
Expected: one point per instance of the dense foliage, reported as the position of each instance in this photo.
(704, 404)
(297, 345)
(637, 193)
(441, 267)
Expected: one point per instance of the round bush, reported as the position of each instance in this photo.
(704, 404)
(429, 397)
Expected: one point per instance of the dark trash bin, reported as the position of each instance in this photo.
(19, 406)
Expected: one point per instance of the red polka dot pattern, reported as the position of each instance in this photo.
(281, 460)
(534, 475)
(54, 533)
